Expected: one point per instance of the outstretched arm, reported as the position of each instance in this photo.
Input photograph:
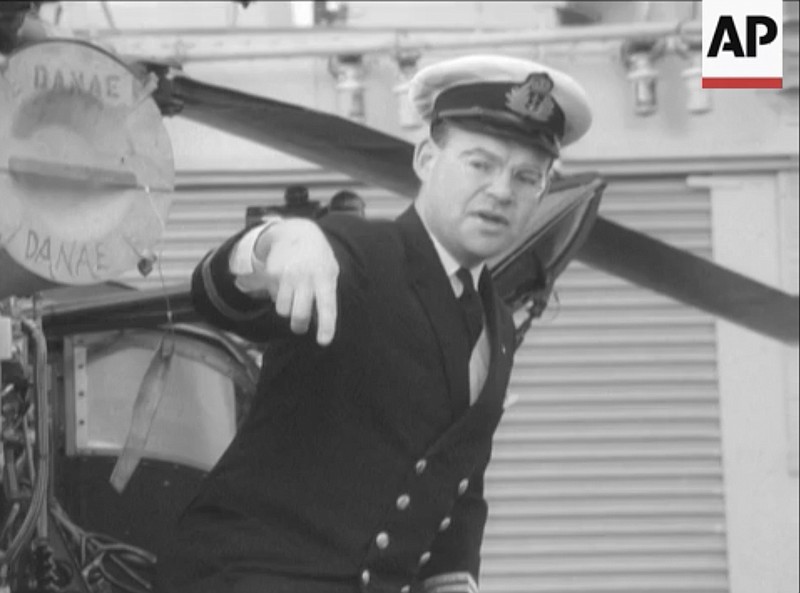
(291, 275)
(299, 271)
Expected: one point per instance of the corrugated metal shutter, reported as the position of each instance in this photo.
(207, 209)
(607, 473)
(607, 476)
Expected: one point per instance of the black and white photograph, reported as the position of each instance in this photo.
(399, 296)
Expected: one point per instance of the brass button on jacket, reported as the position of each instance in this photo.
(382, 540)
(445, 524)
(403, 501)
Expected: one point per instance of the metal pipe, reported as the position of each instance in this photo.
(393, 43)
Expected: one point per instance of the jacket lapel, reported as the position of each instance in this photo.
(429, 281)
(482, 418)
(500, 330)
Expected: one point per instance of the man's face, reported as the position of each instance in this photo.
(478, 192)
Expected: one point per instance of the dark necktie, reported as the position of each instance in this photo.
(471, 307)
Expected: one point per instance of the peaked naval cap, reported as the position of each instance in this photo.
(504, 96)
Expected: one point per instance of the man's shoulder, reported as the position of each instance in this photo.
(357, 224)
(373, 236)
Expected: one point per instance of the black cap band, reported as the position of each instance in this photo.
(525, 111)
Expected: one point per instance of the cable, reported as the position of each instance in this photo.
(100, 557)
(103, 557)
(40, 480)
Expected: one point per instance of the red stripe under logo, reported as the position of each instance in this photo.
(742, 83)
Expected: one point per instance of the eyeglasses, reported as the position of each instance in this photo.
(524, 181)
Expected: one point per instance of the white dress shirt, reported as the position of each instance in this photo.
(479, 360)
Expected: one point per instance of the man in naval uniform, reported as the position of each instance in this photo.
(360, 466)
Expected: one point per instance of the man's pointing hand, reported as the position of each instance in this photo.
(301, 273)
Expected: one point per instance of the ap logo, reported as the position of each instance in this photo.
(742, 44)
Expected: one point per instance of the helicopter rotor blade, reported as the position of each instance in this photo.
(692, 280)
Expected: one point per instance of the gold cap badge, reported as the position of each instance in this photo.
(532, 98)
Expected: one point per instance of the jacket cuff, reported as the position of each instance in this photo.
(216, 287)
(450, 582)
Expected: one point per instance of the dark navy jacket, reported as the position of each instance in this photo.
(362, 462)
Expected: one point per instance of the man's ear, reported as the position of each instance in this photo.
(424, 155)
